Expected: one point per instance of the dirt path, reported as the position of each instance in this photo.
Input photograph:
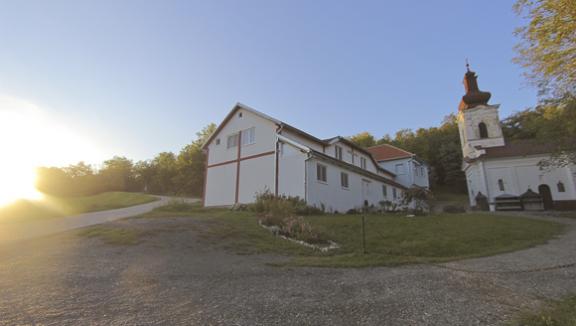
(17, 232)
(179, 275)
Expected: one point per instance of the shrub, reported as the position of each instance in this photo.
(282, 206)
(453, 209)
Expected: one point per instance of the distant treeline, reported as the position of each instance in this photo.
(167, 173)
(552, 122)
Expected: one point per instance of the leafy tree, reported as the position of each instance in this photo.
(363, 139)
(117, 174)
(548, 46)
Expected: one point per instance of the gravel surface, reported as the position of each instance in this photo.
(174, 276)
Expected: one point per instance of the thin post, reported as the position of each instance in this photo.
(363, 234)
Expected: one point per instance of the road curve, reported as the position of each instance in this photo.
(17, 232)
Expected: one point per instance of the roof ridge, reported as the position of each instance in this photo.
(390, 145)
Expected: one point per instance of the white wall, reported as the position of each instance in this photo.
(519, 174)
(303, 140)
(334, 197)
(468, 121)
(291, 175)
(256, 176)
(220, 185)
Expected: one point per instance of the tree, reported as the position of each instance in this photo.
(363, 139)
(548, 46)
(117, 174)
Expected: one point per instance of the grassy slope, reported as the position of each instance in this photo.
(50, 207)
(557, 313)
(390, 240)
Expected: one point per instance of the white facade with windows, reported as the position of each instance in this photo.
(250, 153)
(496, 169)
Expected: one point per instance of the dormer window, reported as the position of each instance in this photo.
(483, 130)
(363, 162)
(338, 152)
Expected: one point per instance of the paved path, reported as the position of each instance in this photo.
(16, 232)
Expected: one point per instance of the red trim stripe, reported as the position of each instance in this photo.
(242, 159)
(238, 168)
(205, 176)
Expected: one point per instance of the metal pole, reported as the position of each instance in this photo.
(363, 235)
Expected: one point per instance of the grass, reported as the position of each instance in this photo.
(111, 235)
(51, 207)
(390, 239)
(556, 313)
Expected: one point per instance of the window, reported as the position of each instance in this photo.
(483, 130)
(399, 168)
(422, 171)
(217, 141)
(394, 193)
(338, 152)
(321, 172)
(344, 179)
(232, 141)
(363, 162)
(561, 187)
(353, 158)
(240, 115)
(384, 191)
(248, 136)
(501, 184)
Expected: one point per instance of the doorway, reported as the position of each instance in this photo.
(546, 195)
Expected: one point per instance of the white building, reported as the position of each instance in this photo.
(496, 169)
(250, 153)
(409, 169)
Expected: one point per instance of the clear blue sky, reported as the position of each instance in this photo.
(142, 77)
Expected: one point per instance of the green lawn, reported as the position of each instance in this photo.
(50, 206)
(390, 239)
(556, 313)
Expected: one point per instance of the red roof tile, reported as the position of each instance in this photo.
(519, 148)
(387, 152)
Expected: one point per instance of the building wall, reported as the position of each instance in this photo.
(256, 176)
(519, 174)
(256, 173)
(303, 140)
(291, 171)
(220, 185)
(409, 177)
(351, 156)
(334, 197)
(265, 131)
(468, 121)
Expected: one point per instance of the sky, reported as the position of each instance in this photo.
(135, 78)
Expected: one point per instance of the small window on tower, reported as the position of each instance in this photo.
(483, 130)
(561, 187)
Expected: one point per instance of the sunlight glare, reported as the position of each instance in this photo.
(28, 139)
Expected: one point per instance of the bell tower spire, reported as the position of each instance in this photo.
(474, 96)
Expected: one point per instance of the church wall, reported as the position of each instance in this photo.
(521, 174)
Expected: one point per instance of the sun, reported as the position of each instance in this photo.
(30, 138)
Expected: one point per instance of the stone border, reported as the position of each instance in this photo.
(275, 230)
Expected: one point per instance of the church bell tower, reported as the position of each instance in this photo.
(478, 121)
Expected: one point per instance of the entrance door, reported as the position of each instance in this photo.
(546, 194)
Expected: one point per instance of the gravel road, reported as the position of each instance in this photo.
(177, 277)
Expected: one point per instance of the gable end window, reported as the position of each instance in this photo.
(399, 168)
(248, 136)
(217, 141)
(321, 172)
(338, 152)
(232, 141)
(483, 130)
(344, 180)
(561, 187)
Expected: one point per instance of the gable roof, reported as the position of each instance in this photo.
(386, 152)
(279, 123)
(283, 125)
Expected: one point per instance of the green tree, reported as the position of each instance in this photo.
(117, 174)
(548, 43)
(363, 139)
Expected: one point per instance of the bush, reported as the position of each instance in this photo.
(453, 209)
(282, 206)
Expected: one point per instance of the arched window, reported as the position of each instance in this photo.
(483, 130)
(501, 184)
(561, 187)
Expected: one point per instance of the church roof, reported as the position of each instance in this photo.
(386, 152)
(518, 148)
